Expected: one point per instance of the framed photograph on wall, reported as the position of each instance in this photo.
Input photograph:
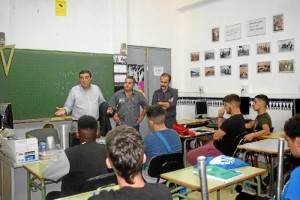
(195, 56)
(233, 32)
(286, 65)
(195, 72)
(243, 71)
(225, 70)
(215, 34)
(256, 27)
(263, 67)
(209, 71)
(225, 53)
(278, 24)
(263, 48)
(209, 55)
(243, 50)
(286, 45)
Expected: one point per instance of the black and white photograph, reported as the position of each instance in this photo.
(243, 71)
(263, 48)
(209, 71)
(195, 72)
(195, 56)
(263, 67)
(215, 34)
(243, 50)
(136, 71)
(225, 53)
(225, 70)
(209, 55)
(286, 45)
(286, 65)
(278, 24)
(120, 59)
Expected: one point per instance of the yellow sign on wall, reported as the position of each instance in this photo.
(61, 7)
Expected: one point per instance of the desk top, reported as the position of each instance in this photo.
(187, 178)
(37, 168)
(192, 121)
(274, 135)
(86, 195)
(269, 146)
(204, 131)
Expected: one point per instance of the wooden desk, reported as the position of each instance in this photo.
(35, 178)
(274, 135)
(270, 147)
(186, 177)
(192, 121)
(186, 138)
(86, 195)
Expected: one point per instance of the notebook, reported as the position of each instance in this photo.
(220, 174)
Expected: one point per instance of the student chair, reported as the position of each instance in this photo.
(99, 181)
(43, 133)
(165, 163)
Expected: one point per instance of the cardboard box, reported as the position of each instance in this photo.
(19, 151)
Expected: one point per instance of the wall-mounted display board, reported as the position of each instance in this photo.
(39, 81)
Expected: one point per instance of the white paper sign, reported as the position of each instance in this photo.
(158, 70)
(233, 32)
(256, 27)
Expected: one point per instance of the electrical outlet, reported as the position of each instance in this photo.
(201, 88)
(244, 89)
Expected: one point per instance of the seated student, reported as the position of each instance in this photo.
(162, 141)
(125, 152)
(262, 124)
(228, 130)
(85, 160)
(48, 126)
(291, 188)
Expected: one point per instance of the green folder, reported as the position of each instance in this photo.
(220, 174)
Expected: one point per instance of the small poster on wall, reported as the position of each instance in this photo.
(209, 55)
(286, 45)
(286, 65)
(243, 71)
(263, 67)
(225, 53)
(243, 50)
(195, 72)
(195, 56)
(233, 32)
(215, 34)
(263, 48)
(256, 27)
(209, 71)
(225, 70)
(278, 23)
(137, 72)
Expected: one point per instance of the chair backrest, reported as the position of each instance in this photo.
(237, 141)
(99, 181)
(165, 163)
(43, 133)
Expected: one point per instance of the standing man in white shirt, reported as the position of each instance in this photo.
(83, 99)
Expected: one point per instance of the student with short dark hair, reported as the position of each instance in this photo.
(228, 130)
(262, 124)
(125, 155)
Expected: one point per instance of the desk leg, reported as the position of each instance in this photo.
(272, 179)
(43, 189)
(184, 152)
(218, 194)
(28, 186)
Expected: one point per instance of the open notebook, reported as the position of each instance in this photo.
(219, 173)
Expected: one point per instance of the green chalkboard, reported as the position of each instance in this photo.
(38, 81)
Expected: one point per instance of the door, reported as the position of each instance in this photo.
(152, 59)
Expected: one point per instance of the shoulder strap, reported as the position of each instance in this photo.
(163, 139)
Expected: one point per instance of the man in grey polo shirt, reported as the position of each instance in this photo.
(127, 103)
(83, 99)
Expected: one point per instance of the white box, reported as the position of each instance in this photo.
(23, 150)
